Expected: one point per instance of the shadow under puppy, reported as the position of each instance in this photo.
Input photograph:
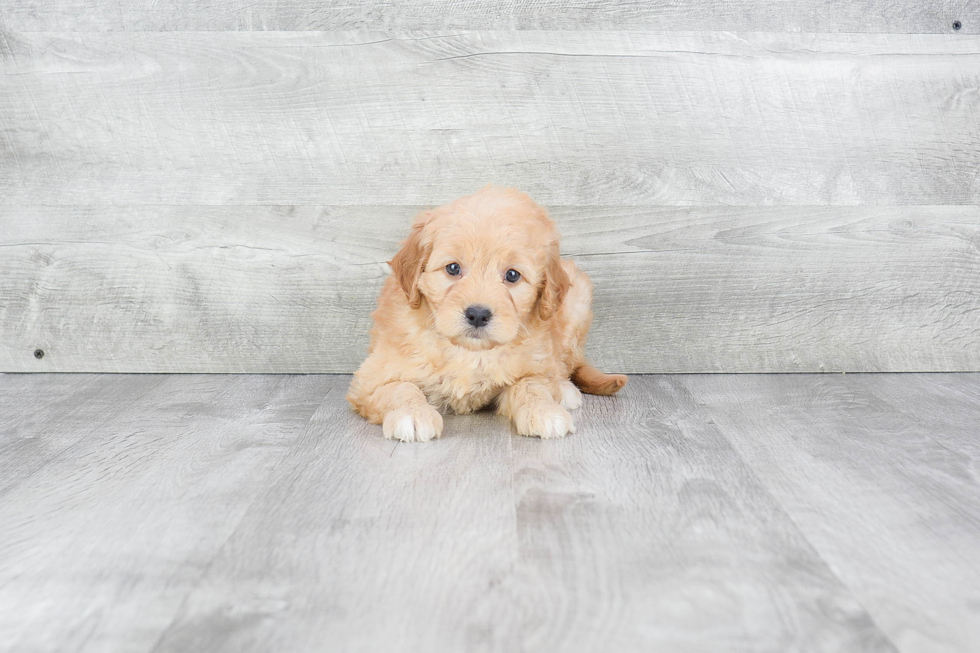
(480, 309)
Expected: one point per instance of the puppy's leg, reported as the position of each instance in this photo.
(403, 412)
(531, 404)
(571, 398)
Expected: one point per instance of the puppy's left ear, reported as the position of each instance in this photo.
(408, 263)
(556, 283)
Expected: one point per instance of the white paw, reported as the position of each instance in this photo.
(545, 421)
(413, 424)
(571, 398)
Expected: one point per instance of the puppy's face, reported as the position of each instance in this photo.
(484, 265)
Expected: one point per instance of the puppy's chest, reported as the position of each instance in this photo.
(468, 382)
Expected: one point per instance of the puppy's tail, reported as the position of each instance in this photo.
(593, 382)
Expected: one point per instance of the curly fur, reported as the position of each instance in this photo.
(425, 357)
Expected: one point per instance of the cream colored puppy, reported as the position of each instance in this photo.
(480, 309)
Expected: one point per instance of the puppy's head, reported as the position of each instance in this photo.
(486, 265)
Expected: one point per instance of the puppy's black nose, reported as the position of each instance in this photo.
(477, 315)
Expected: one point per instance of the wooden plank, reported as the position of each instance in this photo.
(363, 544)
(646, 532)
(902, 16)
(244, 513)
(212, 289)
(943, 405)
(613, 118)
(99, 548)
(776, 290)
(875, 485)
(60, 412)
(290, 289)
(27, 400)
(371, 545)
(961, 386)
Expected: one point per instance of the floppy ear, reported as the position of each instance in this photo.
(556, 283)
(408, 263)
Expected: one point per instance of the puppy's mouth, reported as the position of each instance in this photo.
(474, 338)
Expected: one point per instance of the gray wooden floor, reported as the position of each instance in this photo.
(692, 513)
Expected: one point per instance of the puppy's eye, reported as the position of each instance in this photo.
(453, 269)
(513, 276)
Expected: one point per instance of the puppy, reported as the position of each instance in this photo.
(480, 309)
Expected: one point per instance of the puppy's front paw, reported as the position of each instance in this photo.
(413, 424)
(571, 398)
(545, 421)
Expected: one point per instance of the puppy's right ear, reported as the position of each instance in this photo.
(408, 263)
(556, 284)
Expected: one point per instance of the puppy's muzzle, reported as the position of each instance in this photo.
(478, 316)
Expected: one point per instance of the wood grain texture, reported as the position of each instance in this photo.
(101, 544)
(59, 413)
(901, 16)
(367, 544)
(594, 118)
(239, 513)
(291, 289)
(883, 483)
(647, 532)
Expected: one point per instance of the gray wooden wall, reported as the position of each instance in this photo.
(754, 185)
